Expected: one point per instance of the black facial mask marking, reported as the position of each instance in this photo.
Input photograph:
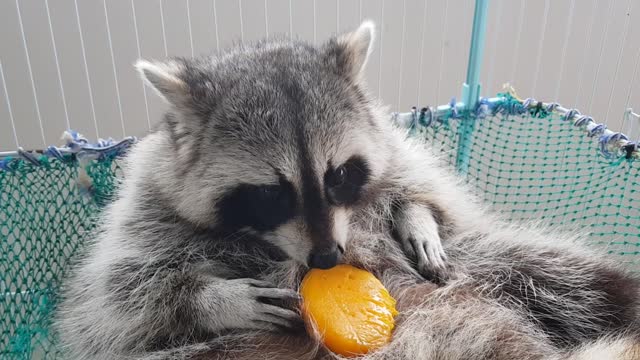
(259, 207)
(343, 184)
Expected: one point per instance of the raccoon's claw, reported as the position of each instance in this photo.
(429, 253)
(275, 313)
(279, 317)
(431, 259)
(270, 306)
(276, 293)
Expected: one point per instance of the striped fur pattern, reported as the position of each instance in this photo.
(274, 158)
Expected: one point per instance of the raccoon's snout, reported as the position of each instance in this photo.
(325, 259)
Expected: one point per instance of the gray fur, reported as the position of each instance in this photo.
(162, 280)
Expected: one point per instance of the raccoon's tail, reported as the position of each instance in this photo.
(573, 295)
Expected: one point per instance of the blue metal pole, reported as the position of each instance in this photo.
(471, 88)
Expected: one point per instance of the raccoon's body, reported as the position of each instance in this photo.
(273, 159)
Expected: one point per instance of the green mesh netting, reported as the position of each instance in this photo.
(543, 168)
(531, 167)
(44, 218)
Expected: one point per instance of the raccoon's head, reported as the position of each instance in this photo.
(278, 140)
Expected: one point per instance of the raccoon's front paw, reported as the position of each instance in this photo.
(264, 307)
(420, 239)
(431, 259)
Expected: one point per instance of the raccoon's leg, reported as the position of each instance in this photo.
(144, 307)
(419, 228)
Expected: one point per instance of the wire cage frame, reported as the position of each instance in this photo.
(465, 116)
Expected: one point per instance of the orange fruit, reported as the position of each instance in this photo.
(350, 309)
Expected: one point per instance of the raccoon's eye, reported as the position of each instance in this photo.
(339, 177)
(344, 184)
(268, 192)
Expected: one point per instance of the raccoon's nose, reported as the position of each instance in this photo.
(324, 260)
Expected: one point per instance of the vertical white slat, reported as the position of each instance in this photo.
(149, 29)
(303, 20)
(139, 53)
(176, 28)
(443, 38)
(568, 78)
(360, 10)
(371, 10)
(539, 51)
(548, 71)
(494, 30)
(33, 85)
(5, 140)
(113, 64)
(584, 51)
(253, 20)
(164, 29)
(563, 52)
(532, 28)
(458, 33)
(124, 40)
(266, 19)
(614, 40)
(86, 69)
(631, 65)
(278, 16)
(34, 19)
(391, 49)
(516, 51)
(588, 56)
(431, 52)
(290, 20)
(504, 31)
(241, 20)
(71, 63)
(423, 24)
(381, 51)
(601, 53)
(58, 72)
(619, 60)
(337, 16)
(326, 21)
(95, 37)
(315, 23)
(190, 29)
(229, 23)
(189, 25)
(624, 69)
(203, 29)
(411, 49)
(404, 30)
(635, 31)
(349, 19)
(215, 19)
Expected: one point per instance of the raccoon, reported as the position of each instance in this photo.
(274, 158)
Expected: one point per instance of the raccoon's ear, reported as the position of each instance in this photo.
(163, 77)
(355, 47)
